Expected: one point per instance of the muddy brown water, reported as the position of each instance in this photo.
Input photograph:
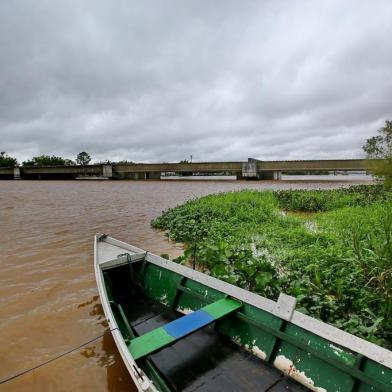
(48, 297)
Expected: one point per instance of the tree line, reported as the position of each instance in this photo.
(380, 147)
(83, 158)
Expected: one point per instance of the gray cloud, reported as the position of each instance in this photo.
(158, 81)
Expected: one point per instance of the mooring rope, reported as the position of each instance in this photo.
(21, 373)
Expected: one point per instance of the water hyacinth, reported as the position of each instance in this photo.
(336, 260)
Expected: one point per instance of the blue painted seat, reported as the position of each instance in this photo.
(168, 334)
(188, 324)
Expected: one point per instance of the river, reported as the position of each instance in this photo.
(48, 297)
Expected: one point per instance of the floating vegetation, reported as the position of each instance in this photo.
(336, 262)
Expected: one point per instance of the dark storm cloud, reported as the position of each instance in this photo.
(158, 81)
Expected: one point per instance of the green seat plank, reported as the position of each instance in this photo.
(222, 307)
(149, 343)
(175, 330)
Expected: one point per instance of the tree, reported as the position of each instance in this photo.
(122, 162)
(83, 158)
(6, 160)
(380, 147)
(45, 160)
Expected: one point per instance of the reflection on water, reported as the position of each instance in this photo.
(106, 356)
(286, 177)
(95, 311)
(105, 352)
(329, 177)
(118, 378)
(48, 296)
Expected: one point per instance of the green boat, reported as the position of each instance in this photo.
(178, 329)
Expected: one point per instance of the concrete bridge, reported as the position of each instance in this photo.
(252, 169)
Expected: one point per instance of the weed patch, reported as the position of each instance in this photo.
(336, 262)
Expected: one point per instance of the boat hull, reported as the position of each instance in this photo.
(317, 355)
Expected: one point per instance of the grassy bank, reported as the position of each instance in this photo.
(336, 262)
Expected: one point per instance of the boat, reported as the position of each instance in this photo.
(178, 329)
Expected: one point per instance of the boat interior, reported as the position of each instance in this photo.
(186, 352)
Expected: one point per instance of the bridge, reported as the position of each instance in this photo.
(252, 169)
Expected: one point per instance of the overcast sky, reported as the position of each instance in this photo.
(221, 80)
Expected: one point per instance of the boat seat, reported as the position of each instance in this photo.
(166, 335)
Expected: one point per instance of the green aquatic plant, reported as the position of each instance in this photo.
(337, 262)
(321, 200)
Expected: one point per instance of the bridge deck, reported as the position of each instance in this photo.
(251, 168)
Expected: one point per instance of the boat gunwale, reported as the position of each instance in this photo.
(317, 327)
(127, 358)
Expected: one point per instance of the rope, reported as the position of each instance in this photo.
(21, 373)
(131, 271)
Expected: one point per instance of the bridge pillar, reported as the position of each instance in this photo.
(153, 175)
(17, 173)
(273, 175)
(107, 171)
(134, 176)
(249, 169)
